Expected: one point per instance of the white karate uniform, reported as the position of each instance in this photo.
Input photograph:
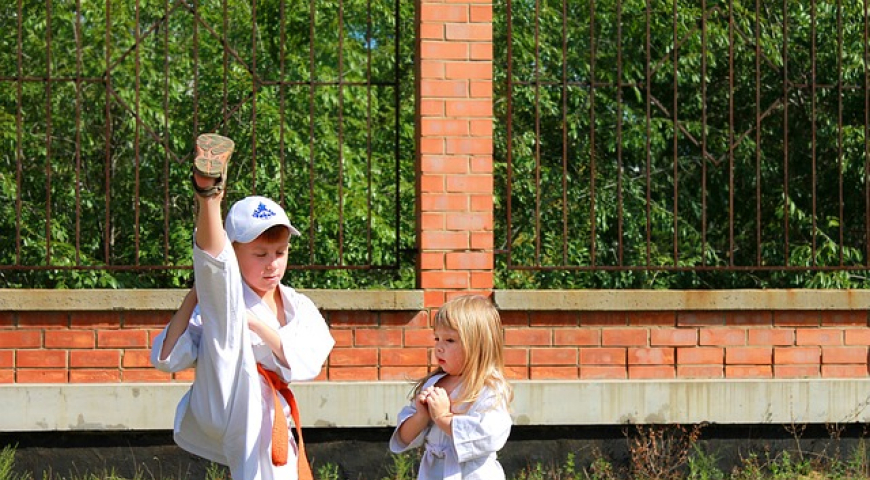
(471, 453)
(227, 414)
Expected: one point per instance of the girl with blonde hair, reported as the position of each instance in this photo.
(460, 413)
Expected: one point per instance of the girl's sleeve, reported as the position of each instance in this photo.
(396, 444)
(481, 431)
(306, 341)
(183, 354)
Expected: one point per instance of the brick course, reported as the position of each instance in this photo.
(390, 345)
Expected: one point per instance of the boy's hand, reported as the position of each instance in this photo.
(256, 325)
(204, 183)
(269, 336)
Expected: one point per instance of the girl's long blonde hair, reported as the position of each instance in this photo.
(478, 323)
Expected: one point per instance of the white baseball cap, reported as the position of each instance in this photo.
(251, 216)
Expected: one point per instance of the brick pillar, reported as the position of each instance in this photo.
(454, 130)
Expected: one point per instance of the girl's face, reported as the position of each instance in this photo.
(449, 354)
(263, 263)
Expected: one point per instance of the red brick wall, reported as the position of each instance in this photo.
(83, 347)
(454, 148)
(80, 347)
(638, 345)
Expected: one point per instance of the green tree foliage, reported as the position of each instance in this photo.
(100, 103)
(719, 144)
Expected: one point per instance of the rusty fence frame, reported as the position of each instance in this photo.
(209, 23)
(601, 75)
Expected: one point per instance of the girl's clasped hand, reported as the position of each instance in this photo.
(436, 401)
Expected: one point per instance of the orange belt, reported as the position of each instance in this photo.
(280, 430)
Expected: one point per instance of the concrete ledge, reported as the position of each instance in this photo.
(516, 300)
(102, 407)
(692, 401)
(681, 300)
(169, 299)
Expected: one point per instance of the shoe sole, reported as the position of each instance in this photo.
(212, 155)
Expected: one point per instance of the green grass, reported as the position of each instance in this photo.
(682, 460)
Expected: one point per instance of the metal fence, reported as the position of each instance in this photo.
(631, 136)
(682, 136)
(100, 105)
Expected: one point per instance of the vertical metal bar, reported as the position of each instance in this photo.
(592, 165)
(758, 179)
(841, 203)
(341, 86)
(311, 97)
(136, 152)
(676, 142)
(619, 166)
(282, 89)
(786, 260)
(19, 153)
(396, 108)
(731, 55)
(648, 141)
(813, 166)
(78, 34)
(368, 47)
(107, 240)
(565, 132)
(509, 137)
(866, 18)
(166, 133)
(226, 55)
(195, 69)
(48, 132)
(538, 233)
(253, 97)
(704, 120)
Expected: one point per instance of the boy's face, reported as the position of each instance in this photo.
(263, 263)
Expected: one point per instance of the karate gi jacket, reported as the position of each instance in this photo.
(471, 453)
(227, 414)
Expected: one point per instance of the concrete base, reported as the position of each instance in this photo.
(142, 407)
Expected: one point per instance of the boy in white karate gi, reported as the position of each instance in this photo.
(246, 334)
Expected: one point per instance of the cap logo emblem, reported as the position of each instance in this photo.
(262, 212)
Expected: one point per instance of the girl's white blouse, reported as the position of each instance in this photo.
(470, 454)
